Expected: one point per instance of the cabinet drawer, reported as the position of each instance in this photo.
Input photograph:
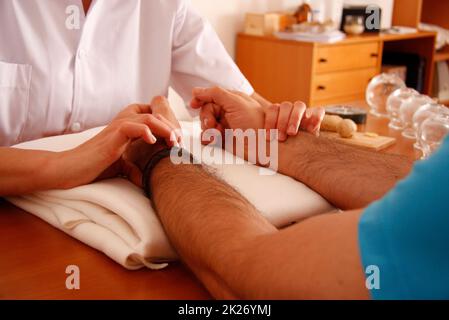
(347, 57)
(340, 84)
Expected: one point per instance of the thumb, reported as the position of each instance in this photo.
(209, 116)
(215, 95)
(160, 105)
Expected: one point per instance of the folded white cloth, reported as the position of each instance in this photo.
(115, 217)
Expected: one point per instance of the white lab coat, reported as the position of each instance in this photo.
(56, 78)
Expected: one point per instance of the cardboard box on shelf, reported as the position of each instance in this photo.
(265, 24)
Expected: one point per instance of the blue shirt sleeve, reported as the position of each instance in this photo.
(406, 234)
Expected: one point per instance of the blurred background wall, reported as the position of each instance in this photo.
(227, 16)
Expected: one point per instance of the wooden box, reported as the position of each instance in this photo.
(265, 24)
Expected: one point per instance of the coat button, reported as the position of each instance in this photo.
(81, 54)
(76, 127)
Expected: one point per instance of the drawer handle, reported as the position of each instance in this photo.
(321, 88)
(323, 60)
(374, 55)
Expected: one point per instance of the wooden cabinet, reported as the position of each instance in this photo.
(341, 86)
(347, 57)
(321, 74)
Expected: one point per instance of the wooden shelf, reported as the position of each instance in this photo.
(366, 37)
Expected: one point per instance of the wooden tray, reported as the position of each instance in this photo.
(362, 140)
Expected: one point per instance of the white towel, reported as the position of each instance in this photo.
(115, 217)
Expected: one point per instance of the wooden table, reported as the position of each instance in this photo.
(403, 146)
(34, 257)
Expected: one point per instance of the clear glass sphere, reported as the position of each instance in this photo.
(394, 103)
(407, 111)
(378, 91)
(422, 115)
(433, 131)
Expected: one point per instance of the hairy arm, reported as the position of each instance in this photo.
(348, 177)
(237, 253)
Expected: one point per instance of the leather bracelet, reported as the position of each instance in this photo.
(153, 162)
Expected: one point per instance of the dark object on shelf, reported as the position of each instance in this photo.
(416, 67)
(303, 14)
(359, 116)
(361, 11)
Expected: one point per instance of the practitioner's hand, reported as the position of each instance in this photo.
(102, 156)
(222, 109)
(289, 117)
(220, 106)
(161, 108)
(139, 152)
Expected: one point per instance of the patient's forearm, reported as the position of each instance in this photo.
(236, 253)
(348, 177)
(209, 223)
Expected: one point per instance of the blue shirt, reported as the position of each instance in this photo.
(406, 234)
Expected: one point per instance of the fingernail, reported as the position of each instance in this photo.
(292, 130)
(153, 139)
(206, 123)
(309, 113)
(311, 128)
(282, 136)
